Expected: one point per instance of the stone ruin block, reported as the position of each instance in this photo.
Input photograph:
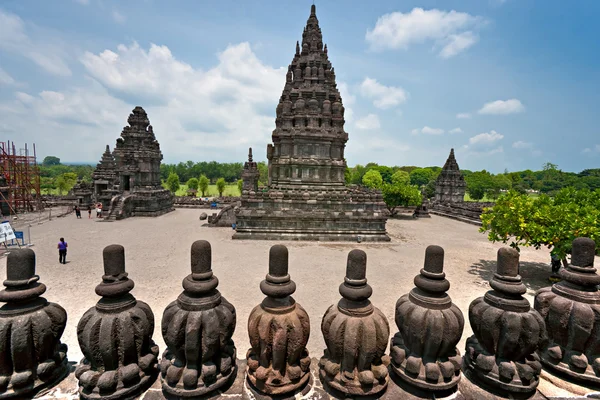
(356, 335)
(423, 353)
(278, 362)
(197, 328)
(115, 336)
(501, 355)
(32, 356)
(571, 310)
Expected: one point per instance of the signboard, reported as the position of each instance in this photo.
(6, 232)
(19, 235)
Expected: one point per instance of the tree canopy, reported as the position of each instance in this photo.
(372, 179)
(553, 222)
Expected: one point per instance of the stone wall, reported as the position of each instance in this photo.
(467, 211)
(511, 342)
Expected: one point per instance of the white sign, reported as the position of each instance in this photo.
(6, 232)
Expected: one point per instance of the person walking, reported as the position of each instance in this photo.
(89, 211)
(98, 210)
(78, 212)
(62, 251)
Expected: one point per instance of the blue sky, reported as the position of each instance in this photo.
(508, 83)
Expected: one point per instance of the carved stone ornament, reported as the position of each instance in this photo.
(197, 328)
(571, 309)
(507, 333)
(278, 362)
(32, 356)
(356, 334)
(424, 352)
(115, 337)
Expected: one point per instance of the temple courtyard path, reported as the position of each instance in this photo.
(157, 252)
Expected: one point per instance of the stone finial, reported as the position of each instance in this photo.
(197, 328)
(278, 362)
(33, 358)
(571, 310)
(250, 154)
(120, 358)
(356, 335)
(424, 352)
(501, 355)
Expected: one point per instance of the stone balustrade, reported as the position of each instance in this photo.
(513, 345)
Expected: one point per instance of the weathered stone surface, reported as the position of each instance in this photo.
(83, 192)
(128, 179)
(115, 337)
(423, 352)
(197, 328)
(450, 185)
(501, 354)
(250, 174)
(225, 217)
(356, 335)
(422, 210)
(571, 310)
(306, 198)
(203, 216)
(278, 362)
(32, 356)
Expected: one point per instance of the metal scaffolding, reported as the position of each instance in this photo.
(19, 179)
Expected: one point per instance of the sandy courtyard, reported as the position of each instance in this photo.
(157, 252)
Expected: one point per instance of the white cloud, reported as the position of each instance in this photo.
(370, 122)
(24, 97)
(5, 78)
(502, 107)
(383, 96)
(463, 115)
(485, 138)
(215, 113)
(451, 30)
(484, 152)
(589, 150)
(522, 145)
(118, 17)
(426, 130)
(42, 51)
(457, 43)
(455, 130)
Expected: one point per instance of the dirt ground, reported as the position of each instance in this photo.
(157, 252)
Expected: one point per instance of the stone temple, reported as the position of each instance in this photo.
(128, 179)
(306, 197)
(450, 184)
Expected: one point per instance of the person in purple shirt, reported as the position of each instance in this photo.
(62, 251)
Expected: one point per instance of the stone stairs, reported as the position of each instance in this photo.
(115, 210)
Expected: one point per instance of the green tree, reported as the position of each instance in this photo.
(221, 186)
(421, 176)
(50, 160)
(372, 179)
(192, 183)
(386, 173)
(396, 195)
(553, 222)
(203, 183)
(400, 178)
(263, 170)
(240, 185)
(173, 182)
(61, 184)
(478, 183)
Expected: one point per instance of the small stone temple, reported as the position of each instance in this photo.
(450, 184)
(130, 176)
(104, 178)
(306, 198)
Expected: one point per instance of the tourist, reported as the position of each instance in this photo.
(99, 210)
(62, 251)
(89, 211)
(77, 212)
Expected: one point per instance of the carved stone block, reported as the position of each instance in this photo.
(278, 362)
(423, 352)
(32, 356)
(197, 328)
(571, 309)
(501, 354)
(115, 337)
(356, 334)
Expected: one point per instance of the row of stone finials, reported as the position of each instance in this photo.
(511, 341)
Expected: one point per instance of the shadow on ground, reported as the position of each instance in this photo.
(535, 275)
